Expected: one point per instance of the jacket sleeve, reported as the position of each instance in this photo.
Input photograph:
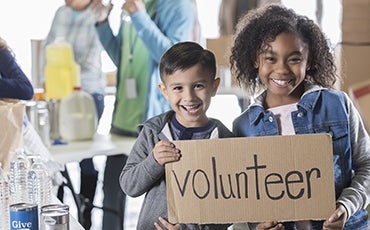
(13, 81)
(111, 43)
(141, 171)
(173, 23)
(357, 195)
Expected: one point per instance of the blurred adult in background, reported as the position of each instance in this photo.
(13, 81)
(15, 84)
(230, 12)
(148, 28)
(74, 23)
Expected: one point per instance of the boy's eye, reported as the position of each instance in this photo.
(177, 88)
(198, 86)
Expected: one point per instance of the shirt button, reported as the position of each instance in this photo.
(300, 114)
(271, 119)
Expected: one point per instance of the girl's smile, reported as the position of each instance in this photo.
(282, 66)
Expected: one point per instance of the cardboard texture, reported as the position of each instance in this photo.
(252, 179)
(354, 67)
(360, 94)
(11, 129)
(356, 21)
(221, 47)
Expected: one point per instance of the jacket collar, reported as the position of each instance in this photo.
(307, 102)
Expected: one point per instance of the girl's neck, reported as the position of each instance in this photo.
(273, 100)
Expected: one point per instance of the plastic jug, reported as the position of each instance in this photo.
(77, 116)
(62, 73)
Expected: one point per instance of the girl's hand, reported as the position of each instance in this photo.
(337, 219)
(274, 225)
(165, 152)
(166, 224)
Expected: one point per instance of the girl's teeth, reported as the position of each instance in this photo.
(281, 82)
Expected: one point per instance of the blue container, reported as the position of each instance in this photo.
(24, 216)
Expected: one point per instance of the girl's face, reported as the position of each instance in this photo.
(189, 93)
(282, 66)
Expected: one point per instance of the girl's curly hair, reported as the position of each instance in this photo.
(261, 26)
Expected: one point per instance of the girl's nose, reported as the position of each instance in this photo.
(282, 68)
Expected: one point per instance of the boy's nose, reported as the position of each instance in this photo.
(189, 94)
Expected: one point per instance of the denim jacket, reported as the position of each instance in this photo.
(325, 111)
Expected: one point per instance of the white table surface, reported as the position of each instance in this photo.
(75, 151)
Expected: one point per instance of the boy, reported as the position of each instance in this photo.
(188, 83)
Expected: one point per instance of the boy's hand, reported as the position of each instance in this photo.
(165, 152)
(273, 225)
(166, 224)
(337, 219)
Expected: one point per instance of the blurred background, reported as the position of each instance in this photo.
(23, 20)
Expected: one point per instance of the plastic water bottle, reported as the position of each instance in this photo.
(39, 183)
(19, 167)
(4, 200)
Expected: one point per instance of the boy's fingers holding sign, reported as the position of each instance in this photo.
(165, 152)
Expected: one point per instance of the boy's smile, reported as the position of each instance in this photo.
(189, 93)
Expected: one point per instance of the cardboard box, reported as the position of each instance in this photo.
(354, 64)
(356, 21)
(360, 94)
(252, 179)
(221, 47)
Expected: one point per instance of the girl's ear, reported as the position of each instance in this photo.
(256, 64)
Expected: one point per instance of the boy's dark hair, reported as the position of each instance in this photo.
(185, 55)
(261, 26)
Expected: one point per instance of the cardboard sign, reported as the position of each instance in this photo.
(253, 179)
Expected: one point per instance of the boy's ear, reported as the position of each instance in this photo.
(163, 90)
(216, 84)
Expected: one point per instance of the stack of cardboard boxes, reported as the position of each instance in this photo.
(355, 54)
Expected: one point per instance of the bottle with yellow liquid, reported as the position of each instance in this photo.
(62, 73)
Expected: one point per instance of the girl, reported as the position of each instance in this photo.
(286, 57)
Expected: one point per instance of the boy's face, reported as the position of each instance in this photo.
(189, 93)
(282, 66)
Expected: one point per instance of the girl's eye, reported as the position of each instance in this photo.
(269, 59)
(295, 60)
